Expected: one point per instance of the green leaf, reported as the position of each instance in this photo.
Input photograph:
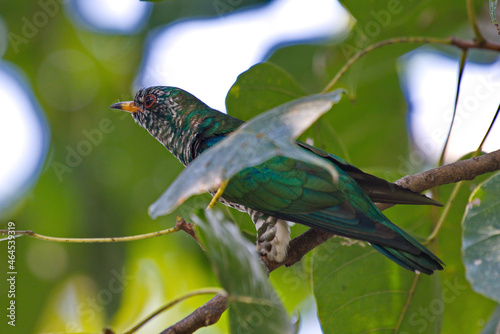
(493, 14)
(262, 138)
(378, 20)
(359, 291)
(254, 306)
(260, 88)
(481, 238)
(462, 314)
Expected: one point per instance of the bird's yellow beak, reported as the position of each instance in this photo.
(126, 106)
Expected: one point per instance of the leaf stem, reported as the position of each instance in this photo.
(218, 194)
(472, 19)
(445, 212)
(411, 292)
(479, 149)
(460, 75)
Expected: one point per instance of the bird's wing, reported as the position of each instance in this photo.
(284, 185)
(379, 190)
(306, 194)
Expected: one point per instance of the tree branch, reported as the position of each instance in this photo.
(210, 312)
(452, 173)
(203, 316)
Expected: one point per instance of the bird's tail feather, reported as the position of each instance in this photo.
(382, 234)
(425, 262)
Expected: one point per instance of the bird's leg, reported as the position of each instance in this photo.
(273, 236)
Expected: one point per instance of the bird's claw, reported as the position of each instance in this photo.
(273, 237)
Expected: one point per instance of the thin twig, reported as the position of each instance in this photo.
(473, 22)
(445, 212)
(480, 148)
(380, 44)
(186, 227)
(411, 292)
(463, 58)
(93, 240)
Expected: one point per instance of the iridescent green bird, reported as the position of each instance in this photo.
(283, 190)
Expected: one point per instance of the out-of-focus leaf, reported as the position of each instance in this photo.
(493, 324)
(265, 136)
(143, 291)
(71, 310)
(260, 88)
(481, 238)
(493, 14)
(254, 306)
(358, 290)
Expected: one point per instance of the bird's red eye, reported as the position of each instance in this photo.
(149, 101)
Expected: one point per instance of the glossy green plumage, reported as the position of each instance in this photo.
(288, 189)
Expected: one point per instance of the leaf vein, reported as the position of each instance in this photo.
(366, 296)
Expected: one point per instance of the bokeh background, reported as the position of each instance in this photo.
(71, 167)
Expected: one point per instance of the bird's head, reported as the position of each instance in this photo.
(153, 106)
(171, 115)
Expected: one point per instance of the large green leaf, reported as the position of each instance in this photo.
(258, 140)
(481, 238)
(375, 122)
(358, 290)
(254, 306)
(377, 20)
(260, 88)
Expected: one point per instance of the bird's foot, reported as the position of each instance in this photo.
(273, 237)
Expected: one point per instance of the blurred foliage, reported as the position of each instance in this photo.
(254, 306)
(76, 74)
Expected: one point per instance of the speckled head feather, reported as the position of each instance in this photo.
(180, 121)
